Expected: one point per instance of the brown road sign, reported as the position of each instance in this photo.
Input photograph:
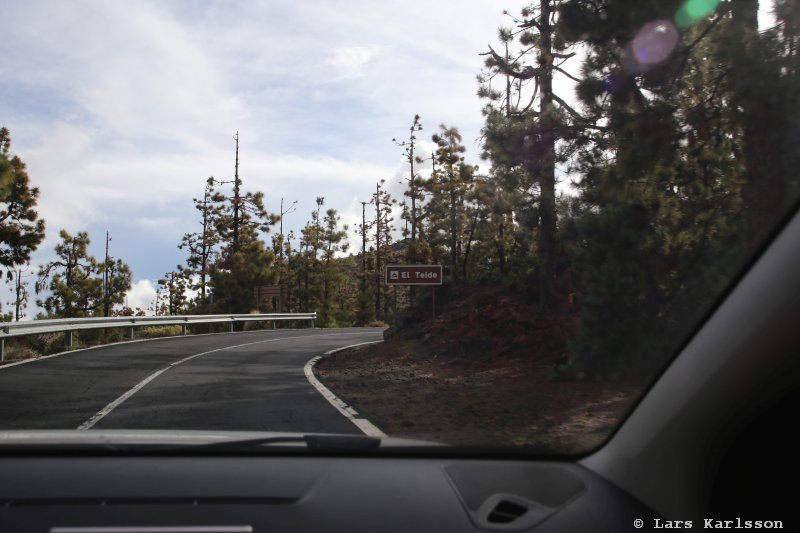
(413, 274)
(267, 292)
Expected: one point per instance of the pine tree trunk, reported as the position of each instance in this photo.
(501, 249)
(453, 231)
(547, 199)
(236, 213)
(378, 252)
(465, 261)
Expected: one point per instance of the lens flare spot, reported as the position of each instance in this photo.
(655, 42)
(693, 11)
(614, 82)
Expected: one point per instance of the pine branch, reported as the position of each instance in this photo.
(525, 74)
(586, 122)
(528, 24)
(688, 50)
(571, 111)
(567, 74)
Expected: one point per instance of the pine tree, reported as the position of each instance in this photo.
(308, 265)
(763, 88)
(384, 254)
(333, 242)
(21, 230)
(21, 295)
(522, 139)
(450, 191)
(245, 261)
(253, 265)
(202, 245)
(494, 229)
(415, 189)
(279, 243)
(365, 313)
(173, 286)
(75, 281)
(667, 185)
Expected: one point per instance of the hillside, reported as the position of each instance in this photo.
(487, 371)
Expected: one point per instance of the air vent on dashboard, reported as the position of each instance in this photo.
(506, 512)
(511, 497)
(509, 512)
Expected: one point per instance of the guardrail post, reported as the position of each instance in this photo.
(183, 329)
(312, 323)
(2, 349)
(130, 332)
(232, 326)
(273, 323)
(68, 339)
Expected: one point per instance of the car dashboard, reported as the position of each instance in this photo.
(216, 494)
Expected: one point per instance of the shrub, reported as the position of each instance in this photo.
(151, 332)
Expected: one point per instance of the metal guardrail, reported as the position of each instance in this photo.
(68, 325)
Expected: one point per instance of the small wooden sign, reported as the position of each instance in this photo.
(267, 292)
(413, 275)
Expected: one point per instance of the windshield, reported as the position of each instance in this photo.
(438, 221)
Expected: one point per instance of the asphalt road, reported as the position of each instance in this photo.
(250, 381)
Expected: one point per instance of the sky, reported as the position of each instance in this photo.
(122, 110)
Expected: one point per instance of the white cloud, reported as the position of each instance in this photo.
(351, 215)
(349, 62)
(142, 294)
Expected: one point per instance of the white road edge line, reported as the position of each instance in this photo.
(348, 412)
(136, 388)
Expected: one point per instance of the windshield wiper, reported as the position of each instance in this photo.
(313, 442)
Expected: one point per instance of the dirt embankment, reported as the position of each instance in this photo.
(479, 378)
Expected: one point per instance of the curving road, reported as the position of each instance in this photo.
(250, 381)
